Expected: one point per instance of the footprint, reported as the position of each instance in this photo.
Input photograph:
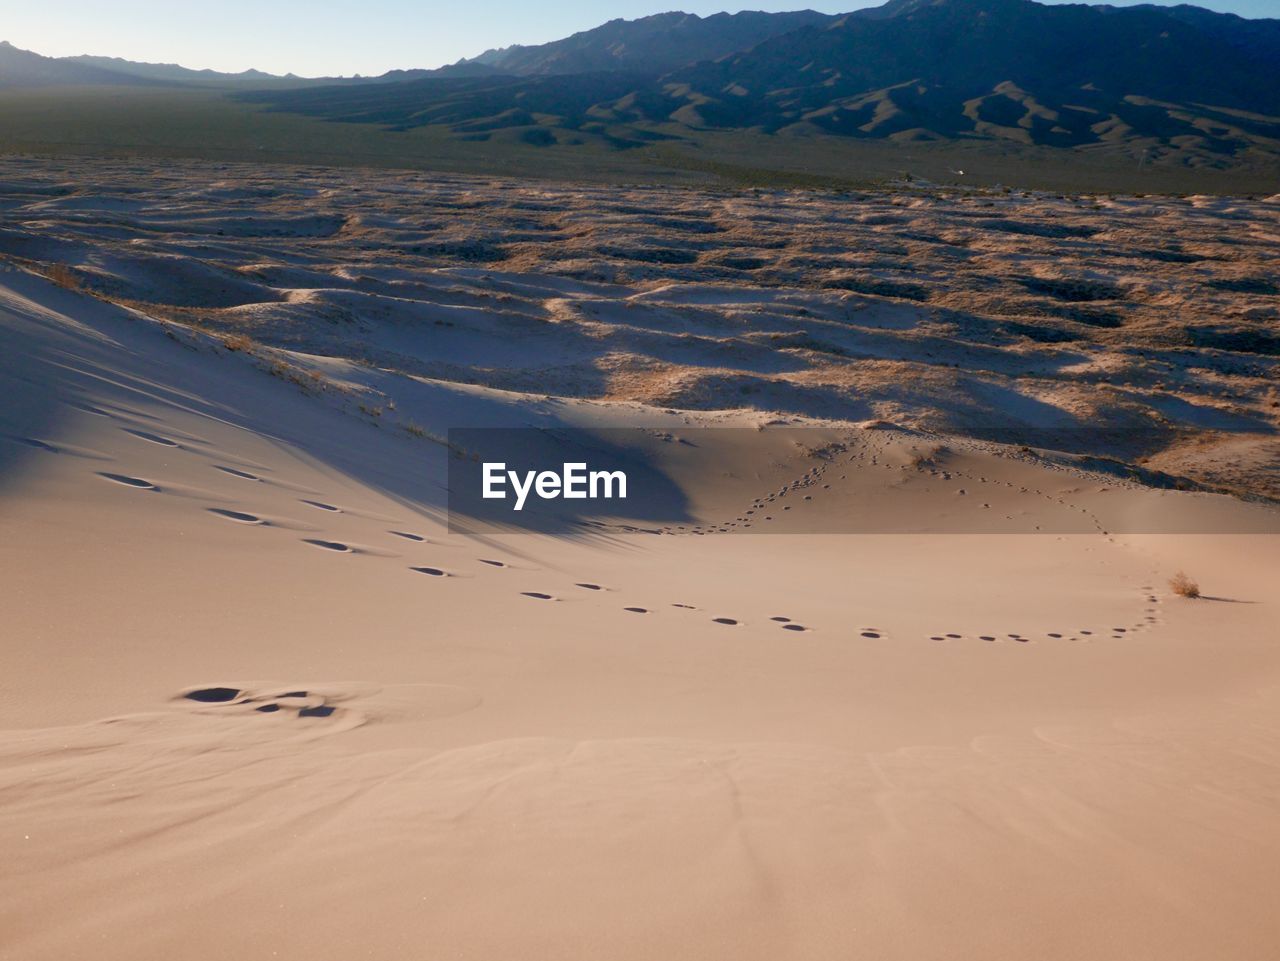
(67, 449)
(38, 444)
(337, 546)
(127, 481)
(794, 627)
(263, 703)
(781, 620)
(724, 620)
(153, 438)
(538, 595)
(590, 587)
(239, 516)
(637, 610)
(212, 695)
(433, 571)
(407, 536)
(323, 506)
(687, 607)
(90, 409)
(872, 634)
(484, 560)
(238, 473)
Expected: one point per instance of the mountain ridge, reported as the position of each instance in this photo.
(1176, 85)
(1191, 87)
(657, 43)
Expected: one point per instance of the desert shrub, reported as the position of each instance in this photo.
(919, 459)
(1184, 586)
(63, 276)
(240, 342)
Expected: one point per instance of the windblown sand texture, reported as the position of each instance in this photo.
(259, 700)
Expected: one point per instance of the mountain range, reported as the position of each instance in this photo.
(1179, 84)
(22, 68)
(656, 44)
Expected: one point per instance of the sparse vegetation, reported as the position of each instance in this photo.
(920, 458)
(63, 276)
(199, 123)
(1184, 586)
(311, 381)
(417, 430)
(242, 343)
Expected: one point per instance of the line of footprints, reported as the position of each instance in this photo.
(766, 507)
(810, 479)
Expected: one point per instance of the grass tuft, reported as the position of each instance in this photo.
(63, 276)
(238, 342)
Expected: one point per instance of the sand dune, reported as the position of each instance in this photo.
(1137, 328)
(260, 699)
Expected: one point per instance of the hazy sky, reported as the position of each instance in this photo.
(331, 37)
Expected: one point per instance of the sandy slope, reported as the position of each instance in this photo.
(998, 745)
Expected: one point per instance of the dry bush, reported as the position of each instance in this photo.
(311, 381)
(63, 276)
(240, 342)
(1183, 586)
(920, 459)
(417, 430)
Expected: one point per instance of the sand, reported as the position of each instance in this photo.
(259, 700)
(1150, 319)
